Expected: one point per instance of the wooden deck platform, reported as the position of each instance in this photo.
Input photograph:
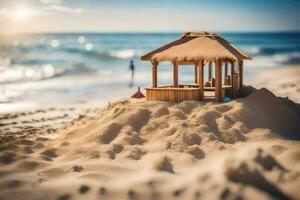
(182, 93)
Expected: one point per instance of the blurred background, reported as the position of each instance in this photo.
(62, 52)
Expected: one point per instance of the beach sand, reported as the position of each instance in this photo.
(133, 149)
(284, 82)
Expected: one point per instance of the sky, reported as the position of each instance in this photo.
(148, 15)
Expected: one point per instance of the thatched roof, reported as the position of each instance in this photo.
(196, 46)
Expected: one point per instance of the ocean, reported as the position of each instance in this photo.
(69, 68)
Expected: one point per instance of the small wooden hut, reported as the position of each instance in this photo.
(199, 49)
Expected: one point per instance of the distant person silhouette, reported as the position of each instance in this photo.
(131, 68)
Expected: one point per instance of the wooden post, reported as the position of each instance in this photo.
(218, 84)
(175, 74)
(154, 75)
(196, 74)
(201, 79)
(209, 71)
(226, 69)
(241, 73)
(232, 79)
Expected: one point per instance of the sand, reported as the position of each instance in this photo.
(133, 149)
(284, 81)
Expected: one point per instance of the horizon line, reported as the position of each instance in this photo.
(143, 32)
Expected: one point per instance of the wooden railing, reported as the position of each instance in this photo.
(172, 94)
(183, 93)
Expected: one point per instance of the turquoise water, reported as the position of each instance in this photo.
(81, 67)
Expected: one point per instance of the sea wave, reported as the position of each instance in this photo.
(91, 52)
(21, 73)
(275, 60)
(118, 54)
(269, 51)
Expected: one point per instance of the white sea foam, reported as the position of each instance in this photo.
(81, 39)
(89, 46)
(254, 50)
(127, 53)
(55, 43)
(18, 73)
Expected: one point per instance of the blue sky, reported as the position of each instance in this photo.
(152, 15)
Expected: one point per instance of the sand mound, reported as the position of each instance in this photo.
(137, 118)
(136, 149)
(110, 133)
(159, 126)
(273, 113)
(160, 111)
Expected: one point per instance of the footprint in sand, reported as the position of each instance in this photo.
(225, 194)
(178, 192)
(191, 139)
(29, 165)
(132, 194)
(77, 168)
(42, 139)
(12, 184)
(151, 184)
(197, 194)
(50, 153)
(7, 158)
(5, 139)
(102, 190)
(111, 154)
(196, 152)
(26, 142)
(163, 164)
(94, 155)
(39, 145)
(8, 146)
(27, 150)
(64, 197)
(117, 148)
(46, 158)
(84, 189)
(65, 144)
(136, 153)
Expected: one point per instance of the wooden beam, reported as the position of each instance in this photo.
(175, 74)
(196, 74)
(232, 79)
(209, 71)
(201, 79)
(241, 73)
(185, 63)
(154, 75)
(218, 84)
